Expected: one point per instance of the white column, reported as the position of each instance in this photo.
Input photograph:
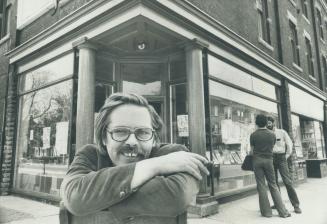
(85, 96)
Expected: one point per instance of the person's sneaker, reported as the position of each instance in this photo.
(286, 215)
(273, 207)
(297, 210)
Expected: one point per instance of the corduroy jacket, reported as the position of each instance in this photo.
(99, 192)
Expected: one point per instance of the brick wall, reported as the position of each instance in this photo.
(7, 166)
(46, 20)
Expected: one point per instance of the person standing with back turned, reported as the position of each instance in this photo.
(262, 142)
(281, 152)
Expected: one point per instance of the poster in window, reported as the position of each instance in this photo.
(182, 125)
(61, 138)
(46, 137)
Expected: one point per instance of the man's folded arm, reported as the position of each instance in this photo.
(161, 196)
(86, 191)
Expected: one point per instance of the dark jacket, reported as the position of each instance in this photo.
(93, 184)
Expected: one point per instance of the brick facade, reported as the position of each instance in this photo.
(10, 130)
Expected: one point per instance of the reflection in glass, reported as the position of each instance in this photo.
(42, 143)
(231, 74)
(142, 79)
(232, 120)
(226, 92)
(177, 70)
(50, 72)
(313, 143)
(179, 114)
(296, 130)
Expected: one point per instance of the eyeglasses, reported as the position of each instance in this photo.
(122, 133)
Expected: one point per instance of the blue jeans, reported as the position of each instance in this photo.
(280, 163)
(264, 169)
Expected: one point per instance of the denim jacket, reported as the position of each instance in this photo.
(95, 189)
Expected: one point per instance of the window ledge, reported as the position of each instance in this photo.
(4, 39)
(297, 67)
(306, 19)
(264, 43)
(312, 78)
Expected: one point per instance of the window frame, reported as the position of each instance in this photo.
(320, 24)
(309, 56)
(305, 11)
(5, 14)
(263, 21)
(295, 43)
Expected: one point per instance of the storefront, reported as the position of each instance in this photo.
(207, 95)
(236, 97)
(307, 126)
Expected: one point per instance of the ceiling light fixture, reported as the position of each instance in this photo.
(141, 46)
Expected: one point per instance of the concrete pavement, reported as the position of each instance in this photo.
(312, 195)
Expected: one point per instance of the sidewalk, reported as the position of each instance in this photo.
(312, 195)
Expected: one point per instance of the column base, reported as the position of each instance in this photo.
(204, 207)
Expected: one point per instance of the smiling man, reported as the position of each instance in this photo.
(129, 173)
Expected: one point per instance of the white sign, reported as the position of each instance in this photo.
(182, 125)
(46, 137)
(31, 135)
(306, 104)
(61, 138)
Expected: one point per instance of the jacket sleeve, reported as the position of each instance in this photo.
(166, 196)
(87, 190)
(161, 196)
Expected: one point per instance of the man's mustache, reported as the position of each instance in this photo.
(132, 148)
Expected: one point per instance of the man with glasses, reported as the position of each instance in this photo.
(281, 152)
(129, 173)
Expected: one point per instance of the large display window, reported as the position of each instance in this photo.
(43, 130)
(308, 138)
(235, 98)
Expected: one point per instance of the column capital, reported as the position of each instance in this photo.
(84, 42)
(195, 44)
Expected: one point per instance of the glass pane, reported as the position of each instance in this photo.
(177, 70)
(228, 73)
(309, 144)
(104, 69)
(142, 79)
(42, 141)
(50, 72)
(232, 120)
(179, 115)
(263, 88)
(320, 143)
(235, 95)
(102, 92)
(296, 130)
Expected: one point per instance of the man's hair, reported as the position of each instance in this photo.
(261, 120)
(111, 103)
(270, 118)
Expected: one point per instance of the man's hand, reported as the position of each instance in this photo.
(188, 162)
(175, 162)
